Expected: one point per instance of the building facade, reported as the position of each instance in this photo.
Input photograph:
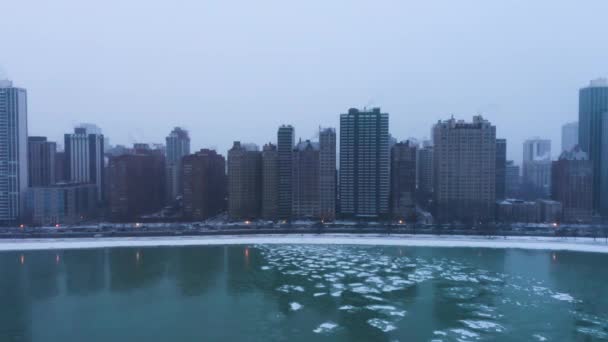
(178, 146)
(244, 182)
(501, 168)
(84, 157)
(403, 181)
(536, 180)
(285, 145)
(512, 180)
(327, 174)
(572, 185)
(364, 164)
(569, 136)
(204, 184)
(270, 182)
(593, 138)
(464, 170)
(424, 174)
(13, 152)
(61, 203)
(41, 161)
(306, 194)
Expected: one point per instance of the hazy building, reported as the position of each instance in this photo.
(550, 211)
(424, 174)
(178, 146)
(244, 182)
(306, 166)
(403, 180)
(204, 184)
(572, 185)
(512, 210)
(270, 182)
(61, 203)
(60, 173)
(13, 152)
(464, 170)
(327, 174)
(41, 161)
(593, 138)
(285, 145)
(137, 183)
(512, 180)
(501, 168)
(364, 164)
(537, 167)
(569, 136)
(84, 157)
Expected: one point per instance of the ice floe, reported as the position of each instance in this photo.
(325, 327)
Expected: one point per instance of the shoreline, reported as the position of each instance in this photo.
(574, 244)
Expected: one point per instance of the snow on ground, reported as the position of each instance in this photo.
(524, 242)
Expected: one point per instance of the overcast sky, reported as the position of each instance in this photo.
(235, 70)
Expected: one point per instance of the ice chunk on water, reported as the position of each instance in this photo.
(563, 297)
(483, 325)
(290, 288)
(294, 306)
(325, 327)
(381, 324)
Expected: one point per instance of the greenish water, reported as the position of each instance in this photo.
(303, 293)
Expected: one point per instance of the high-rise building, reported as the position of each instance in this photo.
(244, 182)
(464, 167)
(424, 174)
(569, 136)
(204, 184)
(512, 180)
(327, 174)
(593, 138)
(364, 164)
(285, 145)
(84, 157)
(306, 166)
(403, 180)
(41, 161)
(13, 152)
(61, 203)
(137, 183)
(60, 174)
(537, 167)
(270, 182)
(572, 185)
(178, 146)
(501, 166)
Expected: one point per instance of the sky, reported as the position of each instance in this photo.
(237, 69)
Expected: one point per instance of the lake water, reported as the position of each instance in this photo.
(303, 293)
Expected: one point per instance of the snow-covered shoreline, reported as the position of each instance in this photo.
(535, 243)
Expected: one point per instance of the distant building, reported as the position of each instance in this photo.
(511, 211)
(13, 152)
(464, 170)
(572, 185)
(84, 157)
(512, 180)
(425, 174)
(41, 161)
(569, 136)
(178, 146)
(537, 167)
(244, 182)
(403, 181)
(285, 145)
(306, 166)
(270, 182)
(501, 168)
(364, 164)
(204, 184)
(327, 174)
(61, 203)
(550, 211)
(137, 184)
(593, 138)
(60, 173)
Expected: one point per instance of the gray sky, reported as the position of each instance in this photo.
(235, 70)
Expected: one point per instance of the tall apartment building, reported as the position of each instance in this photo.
(270, 186)
(285, 145)
(501, 168)
(464, 169)
(306, 194)
(569, 136)
(572, 178)
(41, 161)
(512, 180)
(204, 184)
(424, 174)
(13, 152)
(61, 203)
(364, 164)
(593, 138)
(327, 174)
(84, 157)
(537, 166)
(403, 180)
(178, 146)
(244, 182)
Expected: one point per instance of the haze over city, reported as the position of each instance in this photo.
(236, 70)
